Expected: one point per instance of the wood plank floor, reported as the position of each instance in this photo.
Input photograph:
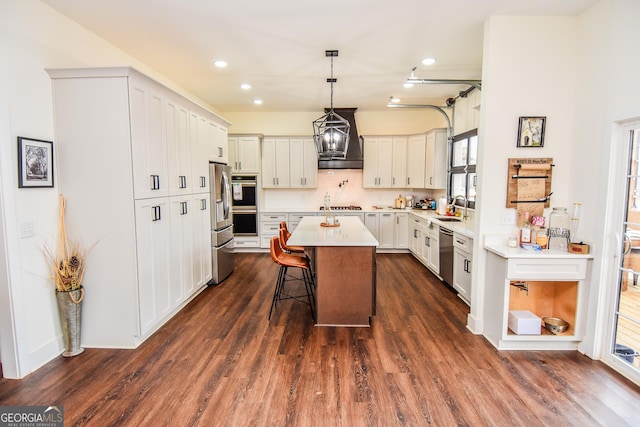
(220, 362)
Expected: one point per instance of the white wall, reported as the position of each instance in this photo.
(529, 69)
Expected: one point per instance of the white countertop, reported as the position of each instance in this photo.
(498, 245)
(351, 232)
(463, 227)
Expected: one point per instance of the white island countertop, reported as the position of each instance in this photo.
(351, 232)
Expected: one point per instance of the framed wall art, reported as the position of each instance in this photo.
(35, 163)
(531, 131)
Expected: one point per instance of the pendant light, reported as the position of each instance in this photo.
(331, 131)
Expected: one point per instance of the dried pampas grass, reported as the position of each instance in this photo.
(68, 264)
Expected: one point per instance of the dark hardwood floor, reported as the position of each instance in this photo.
(220, 362)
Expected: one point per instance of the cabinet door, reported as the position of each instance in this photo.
(199, 152)
(436, 159)
(462, 273)
(148, 142)
(182, 260)
(181, 179)
(153, 234)
(217, 140)
(416, 159)
(386, 229)
(275, 163)
(372, 221)
(401, 231)
(248, 154)
(296, 162)
(232, 144)
(200, 211)
(310, 160)
(385, 162)
(433, 257)
(370, 163)
(399, 167)
(413, 236)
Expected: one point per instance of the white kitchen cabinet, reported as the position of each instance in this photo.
(462, 262)
(466, 115)
(155, 281)
(111, 124)
(148, 141)
(378, 162)
(217, 140)
(182, 259)
(399, 163)
(431, 249)
(181, 177)
(401, 231)
(381, 225)
(303, 162)
(546, 284)
(244, 154)
(436, 159)
(416, 155)
(199, 150)
(275, 163)
(270, 226)
(201, 211)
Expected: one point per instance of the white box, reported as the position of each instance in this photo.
(524, 322)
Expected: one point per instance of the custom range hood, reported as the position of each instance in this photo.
(353, 159)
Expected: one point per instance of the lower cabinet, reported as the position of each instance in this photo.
(432, 248)
(424, 242)
(462, 257)
(389, 228)
(401, 231)
(542, 285)
(270, 226)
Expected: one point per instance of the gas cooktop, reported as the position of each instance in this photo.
(343, 208)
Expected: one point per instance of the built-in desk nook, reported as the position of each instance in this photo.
(343, 259)
(547, 283)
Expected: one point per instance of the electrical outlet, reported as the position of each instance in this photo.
(508, 218)
(26, 229)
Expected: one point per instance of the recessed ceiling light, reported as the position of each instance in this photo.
(395, 100)
(428, 61)
(408, 85)
(245, 86)
(257, 101)
(220, 63)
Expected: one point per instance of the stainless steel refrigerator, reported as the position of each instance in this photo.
(221, 222)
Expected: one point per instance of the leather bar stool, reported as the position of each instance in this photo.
(286, 261)
(284, 237)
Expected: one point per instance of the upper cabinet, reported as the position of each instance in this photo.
(217, 141)
(289, 163)
(378, 162)
(466, 115)
(275, 163)
(303, 163)
(416, 150)
(436, 159)
(244, 154)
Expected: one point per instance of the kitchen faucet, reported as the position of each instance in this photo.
(464, 214)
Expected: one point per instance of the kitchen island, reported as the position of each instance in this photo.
(344, 262)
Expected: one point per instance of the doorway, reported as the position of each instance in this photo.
(625, 342)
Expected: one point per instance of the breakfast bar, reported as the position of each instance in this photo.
(343, 257)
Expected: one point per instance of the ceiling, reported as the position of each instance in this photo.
(278, 46)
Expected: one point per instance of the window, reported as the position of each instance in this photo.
(464, 154)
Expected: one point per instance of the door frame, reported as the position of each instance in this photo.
(613, 240)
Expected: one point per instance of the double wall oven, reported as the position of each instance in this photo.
(244, 204)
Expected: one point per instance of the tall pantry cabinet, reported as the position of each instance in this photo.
(132, 162)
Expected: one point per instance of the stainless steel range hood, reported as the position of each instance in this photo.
(354, 159)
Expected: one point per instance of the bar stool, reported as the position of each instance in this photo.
(284, 237)
(286, 261)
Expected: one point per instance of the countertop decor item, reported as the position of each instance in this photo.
(67, 271)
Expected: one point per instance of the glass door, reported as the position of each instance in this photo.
(626, 343)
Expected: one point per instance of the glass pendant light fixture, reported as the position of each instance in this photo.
(331, 131)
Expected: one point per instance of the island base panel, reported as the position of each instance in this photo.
(345, 285)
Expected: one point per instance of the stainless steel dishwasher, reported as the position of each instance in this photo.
(446, 255)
